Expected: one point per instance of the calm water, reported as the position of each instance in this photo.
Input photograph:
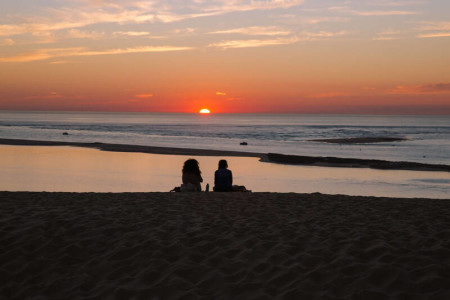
(72, 169)
(428, 137)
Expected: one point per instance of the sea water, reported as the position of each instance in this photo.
(427, 138)
(81, 170)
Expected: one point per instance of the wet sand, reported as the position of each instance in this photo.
(270, 157)
(222, 246)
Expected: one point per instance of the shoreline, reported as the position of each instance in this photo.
(269, 157)
(222, 246)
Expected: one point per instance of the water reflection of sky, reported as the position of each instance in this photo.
(73, 169)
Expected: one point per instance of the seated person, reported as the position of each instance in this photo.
(191, 176)
(223, 178)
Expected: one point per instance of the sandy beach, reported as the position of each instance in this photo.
(222, 246)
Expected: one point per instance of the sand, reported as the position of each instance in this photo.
(222, 246)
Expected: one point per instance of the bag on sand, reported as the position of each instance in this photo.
(240, 188)
(188, 187)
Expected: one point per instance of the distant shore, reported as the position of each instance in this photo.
(222, 246)
(269, 157)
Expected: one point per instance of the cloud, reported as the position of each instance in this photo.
(60, 62)
(143, 96)
(184, 31)
(435, 26)
(396, 3)
(7, 42)
(389, 34)
(221, 94)
(350, 11)
(50, 95)
(254, 43)
(256, 30)
(322, 34)
(328, 95)
(434, 35)
(131, 33)
(78, 34)
(294, 19)
(439, 88)
(43, 54)
(247, 5)
(140, 97)
(434, 29)
(303, 36)
(134, 12)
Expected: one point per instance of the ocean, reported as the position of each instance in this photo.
(427, 137)
(72, 169)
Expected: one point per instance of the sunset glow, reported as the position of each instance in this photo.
(372, 57)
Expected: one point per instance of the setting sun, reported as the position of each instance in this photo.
(204, 111)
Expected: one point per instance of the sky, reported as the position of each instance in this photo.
(231, 56)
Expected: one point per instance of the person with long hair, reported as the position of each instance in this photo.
(223, 178)
(191, 176)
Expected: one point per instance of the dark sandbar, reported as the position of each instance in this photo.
(270, 157)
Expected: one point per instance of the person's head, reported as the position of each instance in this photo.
(191, 166)
(223, 164)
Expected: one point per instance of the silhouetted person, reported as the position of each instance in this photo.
(223, 178)
(191, 176)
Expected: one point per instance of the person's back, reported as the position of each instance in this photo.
(223, 178)
(191, 176)
(193, 179)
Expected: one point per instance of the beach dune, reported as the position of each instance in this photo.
(222, 246)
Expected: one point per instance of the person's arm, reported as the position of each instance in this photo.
(215, 178)
(231, 178)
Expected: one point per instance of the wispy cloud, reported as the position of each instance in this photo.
(434, 35)
(303, 36)
(255, 30)
(7, 42)
(434, 29)
(369, 13)
(44, 54)
(389, 34)
(439, 88)
(50, 95)
(308, 35)
(436, 26)
(221, 94)
(61, 62)
(328, 95)
(131, 33)
(396, 3)
(143, 96)
(134, 12)
(247, 5)
(253, 43)
(295, 19)
(79, 34)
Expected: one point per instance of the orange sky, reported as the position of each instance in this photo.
(300, 56)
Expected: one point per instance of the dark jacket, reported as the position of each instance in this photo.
(223, 180)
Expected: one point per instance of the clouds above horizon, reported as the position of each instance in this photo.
(44, 54)
(438, 88)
